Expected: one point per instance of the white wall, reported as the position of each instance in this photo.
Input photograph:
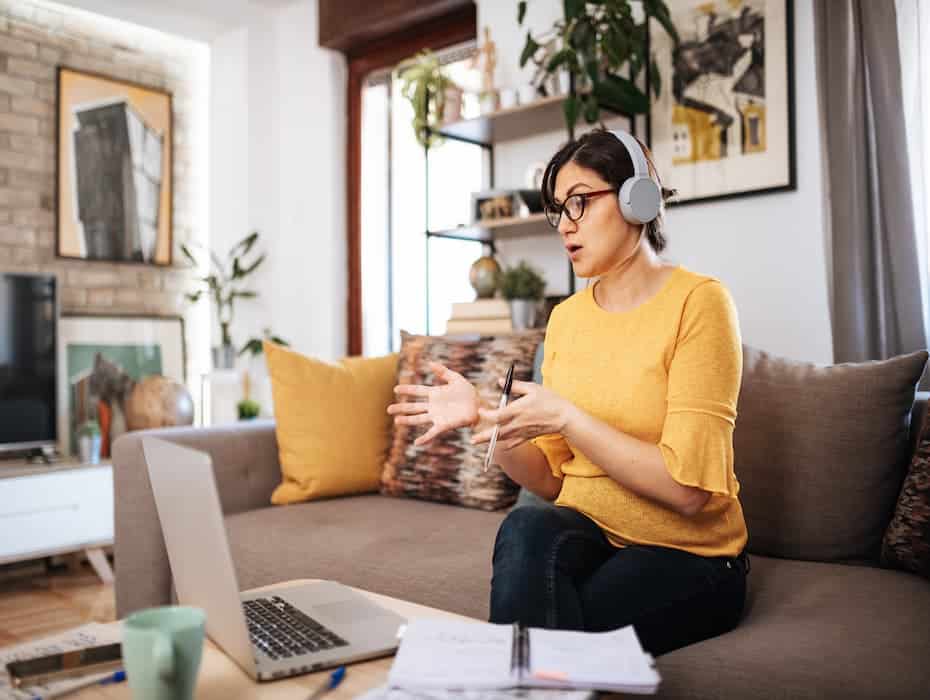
(768, 250)
(278, 166)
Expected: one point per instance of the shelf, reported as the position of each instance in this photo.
(511, 227)
(545, 114)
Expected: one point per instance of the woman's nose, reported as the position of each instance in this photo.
(566, 225)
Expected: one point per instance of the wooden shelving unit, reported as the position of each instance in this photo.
(487, 231)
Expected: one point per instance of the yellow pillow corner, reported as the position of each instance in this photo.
(332, 425)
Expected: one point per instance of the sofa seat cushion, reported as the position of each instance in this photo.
(428, 553)
(813, 630)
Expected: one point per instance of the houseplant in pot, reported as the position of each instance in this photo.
(603, 49)
(523, 287)
(425, 85)
(89, 441)
(223, 284)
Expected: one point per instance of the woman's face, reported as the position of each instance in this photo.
(601, 238)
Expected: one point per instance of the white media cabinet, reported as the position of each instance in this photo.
(46, 510)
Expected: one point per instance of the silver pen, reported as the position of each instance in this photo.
(508, 382)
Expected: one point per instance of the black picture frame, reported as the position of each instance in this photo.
(66, 178)
(785, 179)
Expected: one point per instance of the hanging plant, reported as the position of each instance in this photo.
(603, 49)
(424, 86)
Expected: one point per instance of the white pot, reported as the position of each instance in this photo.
(523, 313)
(527, 94)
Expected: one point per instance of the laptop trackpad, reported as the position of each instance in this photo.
(348, 611)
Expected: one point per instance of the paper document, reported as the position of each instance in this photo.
(89, 635)
(385, 692)
(470, 656)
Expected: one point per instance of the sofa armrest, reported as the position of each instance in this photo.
(245, 463)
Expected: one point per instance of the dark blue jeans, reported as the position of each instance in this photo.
(554, 568)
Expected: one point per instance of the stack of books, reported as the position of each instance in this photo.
(486, 316)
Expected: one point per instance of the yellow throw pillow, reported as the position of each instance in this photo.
(332, 424)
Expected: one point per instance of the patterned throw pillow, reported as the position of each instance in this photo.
(449, 469)
(907, 539)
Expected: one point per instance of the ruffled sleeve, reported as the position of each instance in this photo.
(703, 388)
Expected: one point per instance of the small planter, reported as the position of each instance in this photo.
(224, 356)
(523, 313)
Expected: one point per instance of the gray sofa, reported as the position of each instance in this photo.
(811, 629)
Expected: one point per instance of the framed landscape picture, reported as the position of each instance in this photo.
(114, 170)
(723, 124)
(100, 360)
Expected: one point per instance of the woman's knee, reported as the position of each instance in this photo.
(529, 528)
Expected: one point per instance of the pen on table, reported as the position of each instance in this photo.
(508, 382)
(335, 678)
(115, 677)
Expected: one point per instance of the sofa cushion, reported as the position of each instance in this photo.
(813, 630)
(331, 423)
(449, 469)
(432, 554)
(821, 451)
(907, 541)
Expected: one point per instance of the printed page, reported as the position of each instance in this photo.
(386, 693)
(89, 635)
(603, 660)
(451, 654)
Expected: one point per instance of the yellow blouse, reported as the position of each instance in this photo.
(667, 372)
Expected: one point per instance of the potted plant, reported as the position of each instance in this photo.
(223, 283)
(603, 50)
(523, 287)
(89, 440)
(425, 85)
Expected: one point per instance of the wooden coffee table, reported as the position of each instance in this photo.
(221, 679)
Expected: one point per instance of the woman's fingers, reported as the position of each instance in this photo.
(421, 419)
(411, 390)
(427, 436)
(410, 409)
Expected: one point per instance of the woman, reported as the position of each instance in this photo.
(631, 433)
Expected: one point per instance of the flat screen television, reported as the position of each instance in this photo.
(28, 362)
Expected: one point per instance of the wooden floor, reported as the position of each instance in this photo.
(36, 601)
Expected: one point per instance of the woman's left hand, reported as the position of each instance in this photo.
(537, 411)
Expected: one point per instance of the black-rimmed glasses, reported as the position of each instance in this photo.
(573, 207)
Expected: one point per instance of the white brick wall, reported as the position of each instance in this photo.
(35, 38)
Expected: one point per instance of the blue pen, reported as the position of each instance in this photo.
(116, 677)
(335, 678)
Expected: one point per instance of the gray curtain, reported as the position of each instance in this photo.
(874, 279)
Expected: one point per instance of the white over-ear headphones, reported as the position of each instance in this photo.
(640, 197)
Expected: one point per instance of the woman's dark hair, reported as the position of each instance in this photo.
(606, 155)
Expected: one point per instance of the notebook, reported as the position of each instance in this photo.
(475, 655)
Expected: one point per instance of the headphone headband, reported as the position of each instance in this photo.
(640, 166)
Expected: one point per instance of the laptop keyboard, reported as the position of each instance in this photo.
(282, 631)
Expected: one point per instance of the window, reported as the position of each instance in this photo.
(398, 262)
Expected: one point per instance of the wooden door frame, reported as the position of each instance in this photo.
(453, 28)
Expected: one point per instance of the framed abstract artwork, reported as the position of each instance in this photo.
(101, 358)
(723, 123)
(114, 170)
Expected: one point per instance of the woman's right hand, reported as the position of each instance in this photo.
(447, 406)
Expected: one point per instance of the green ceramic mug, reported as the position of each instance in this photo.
(162, 648)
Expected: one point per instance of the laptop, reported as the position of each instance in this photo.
(279, 632)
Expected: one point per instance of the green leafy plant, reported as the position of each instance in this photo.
(603, 49)
(254, 345)
(248, 408)
(90, 428)
(223, 281)
(424, 84)
(522, 282)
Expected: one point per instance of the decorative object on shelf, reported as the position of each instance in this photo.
(222, 284)
(101, 360)
(452, 106)
(424, 86)
(527, 94)
(88, 435)
(508, 98)
(483, 316)
(534, 176)
(523, 286)
(247, 408)
(489, 205)
(114, 170)
(484, 276)
(485, 59)
(158, 402)
(726, 126)
(602, 50)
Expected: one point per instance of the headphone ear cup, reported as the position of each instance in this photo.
(640, 200)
